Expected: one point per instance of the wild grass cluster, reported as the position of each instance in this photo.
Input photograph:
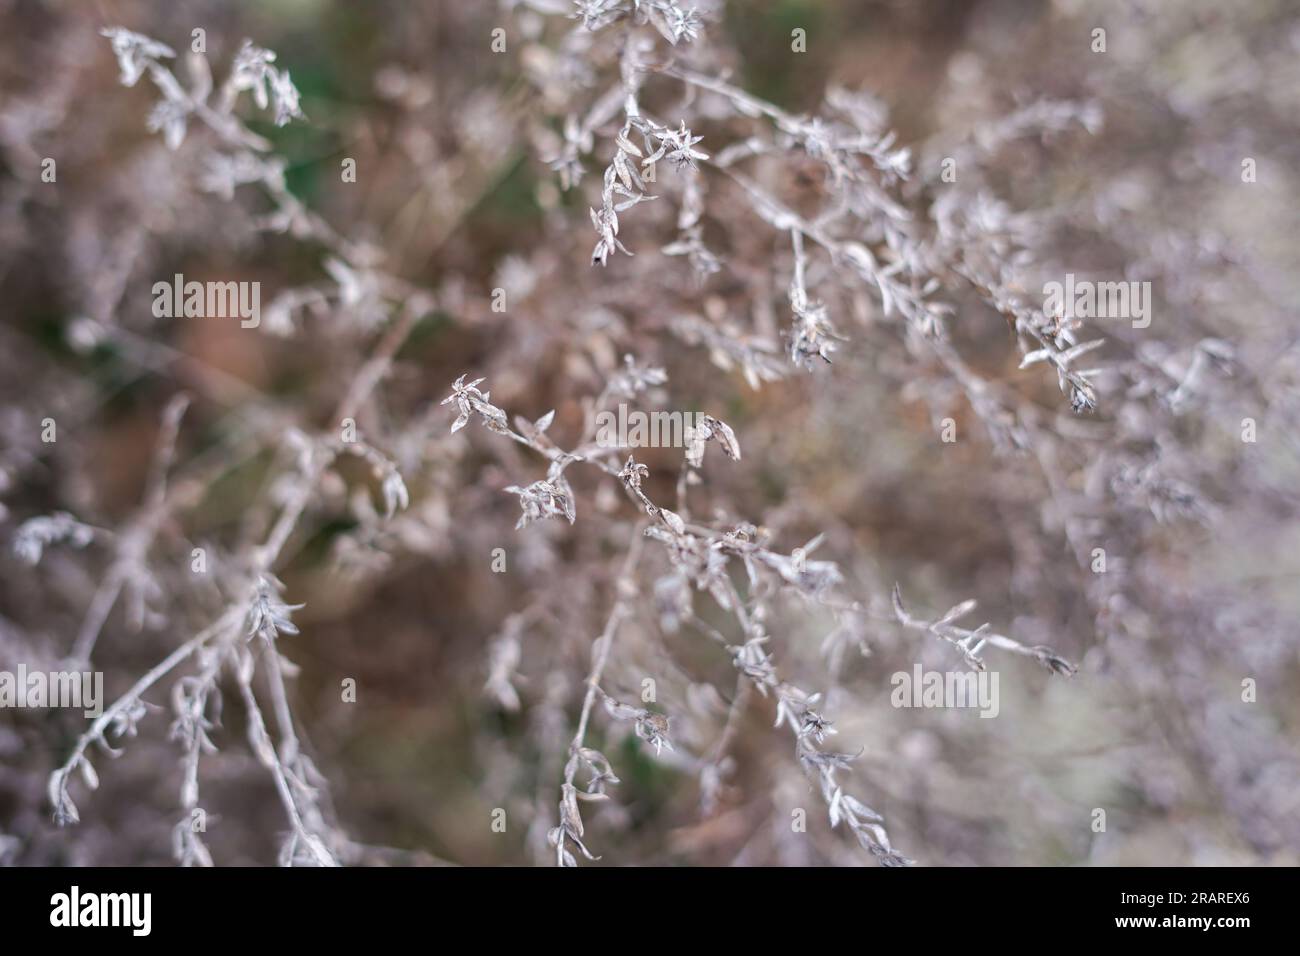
(368, 587)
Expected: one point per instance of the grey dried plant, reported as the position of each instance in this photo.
(326, 571)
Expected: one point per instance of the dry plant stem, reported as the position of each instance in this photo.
(625, 593)
(280, 700)
(971, 642)
(134, 541)
(228, 622)
(261, 743)
(199, 375)
(739, 701)
(101, 605)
